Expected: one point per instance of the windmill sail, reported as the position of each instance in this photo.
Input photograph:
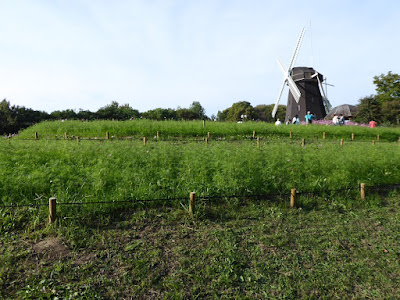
(288, 76)
(305, 89)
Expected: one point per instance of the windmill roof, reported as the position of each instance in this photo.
(300, 73)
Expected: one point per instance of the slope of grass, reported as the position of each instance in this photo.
(33, 171)
(195, 129)
(330, 247)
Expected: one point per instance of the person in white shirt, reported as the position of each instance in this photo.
(335, 120)
(278, 122)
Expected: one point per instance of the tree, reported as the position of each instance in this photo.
(239, 111)
(26, 117)
(385, 105)
(198, 110)
(387, 87)
(63, 114)
(85, 115)
(108, 112)
(126, 112)
(264, 112)
(391, 111)
(7, 120)
(186, 114)
(221, 115)
(260, 111)
(160, 114)
(117, 112)
(369, 109)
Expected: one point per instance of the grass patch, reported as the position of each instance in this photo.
(228, 250)
(239, 244)
(33, 171)
(169, 130)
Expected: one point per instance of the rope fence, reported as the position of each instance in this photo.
(192, 198)
(351, 138)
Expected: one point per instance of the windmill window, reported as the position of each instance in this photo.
(298, 107)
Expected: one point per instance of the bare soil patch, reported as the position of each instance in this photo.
(51, 248)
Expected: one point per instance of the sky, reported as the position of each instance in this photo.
(84, 54)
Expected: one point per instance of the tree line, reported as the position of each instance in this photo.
(384, 107)
(14, 118)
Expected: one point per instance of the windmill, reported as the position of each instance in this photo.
(306, 92)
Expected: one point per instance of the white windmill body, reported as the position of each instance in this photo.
(305, 89)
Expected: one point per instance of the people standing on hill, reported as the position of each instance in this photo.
(295, 120)
(309, 118)
(372, 124)
(278, 122)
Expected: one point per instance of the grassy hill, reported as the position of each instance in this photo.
(123, 229)
(195, 129)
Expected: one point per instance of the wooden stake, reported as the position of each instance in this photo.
(399, 140)
(66, 136)
(373, 142)
(352, 136)
(323, 135)
(207, 141)
(78, 139)
(362, 191)
(341, 142)
(158, 135)
(107, 135)
(303, 142)
(293, 198)
(52, 210)
(208, 135)
(290, 134)
(144, 141)
(377, 137)
(254, 134)
(258, 142)
(192, 200)
(204, 123)
(36, 136)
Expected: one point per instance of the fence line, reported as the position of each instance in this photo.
(303, 135)
(206, 140)
(23, 205)
(270, 196)
(192, 198)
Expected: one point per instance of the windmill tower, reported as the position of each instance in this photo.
(305, 89)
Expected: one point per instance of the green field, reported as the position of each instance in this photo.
(195, 130)
(243, 240)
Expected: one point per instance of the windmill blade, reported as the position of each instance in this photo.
(285, 71)
(328, 105)
(319, 83)
(325, 100)
(279, 98)
(294, 89)
(296, 51)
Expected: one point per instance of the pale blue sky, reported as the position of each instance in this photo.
(56, 55)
